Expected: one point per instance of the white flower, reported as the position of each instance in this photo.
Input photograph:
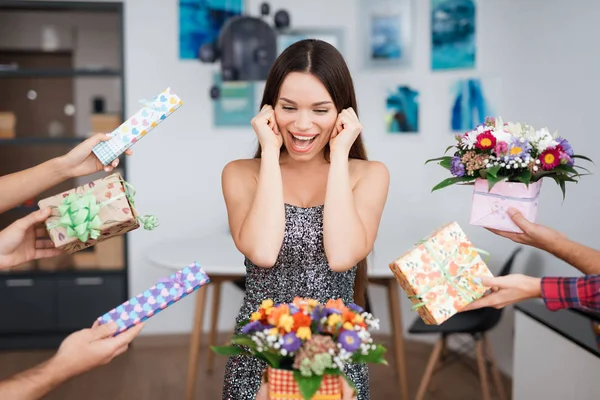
(502, 135)
(535, 168)
(467, 142)
(284, 352)
(514, 129)
(545, 142)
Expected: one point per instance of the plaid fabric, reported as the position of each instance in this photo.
(282, 386)
(581, 292)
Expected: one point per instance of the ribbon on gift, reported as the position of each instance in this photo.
(79, 213)
(446, 277)
(175, 279)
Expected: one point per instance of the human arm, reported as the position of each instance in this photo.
(78, 353)
(351, 215)
(557, 292)
(584, 258)
(255, 206)
(23, 241)
(20, 186)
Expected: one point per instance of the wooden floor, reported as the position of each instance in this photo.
(155, 368)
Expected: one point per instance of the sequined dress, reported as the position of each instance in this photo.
(301, 270)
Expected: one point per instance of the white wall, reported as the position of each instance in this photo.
(544, 53)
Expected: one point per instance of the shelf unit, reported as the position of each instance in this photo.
(44, 306)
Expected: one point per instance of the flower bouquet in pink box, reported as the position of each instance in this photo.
(306, 344)
(506, 162)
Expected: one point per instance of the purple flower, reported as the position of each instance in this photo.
(457, 168)
(566, 146)
(349, 341)
(291, 342)
(253, 326)
(356, 308)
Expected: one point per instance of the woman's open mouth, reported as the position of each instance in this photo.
(301, 143)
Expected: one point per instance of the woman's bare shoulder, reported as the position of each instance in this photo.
(244, 167)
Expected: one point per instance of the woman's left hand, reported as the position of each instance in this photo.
(81, 161)
(346, 130)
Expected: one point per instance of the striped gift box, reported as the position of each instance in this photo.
(282, 386)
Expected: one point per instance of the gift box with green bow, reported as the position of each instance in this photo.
(440, 273)
(94, 212)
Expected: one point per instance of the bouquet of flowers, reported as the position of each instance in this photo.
(307, 343)
(512, 152)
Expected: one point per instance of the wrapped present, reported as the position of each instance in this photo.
(91, 213)
(131, 131)
(437, 274)
(158, 297)
(489, 206)
(282, 386)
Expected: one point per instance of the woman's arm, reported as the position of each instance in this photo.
(351, 216)
(80, 161)
(255, 207)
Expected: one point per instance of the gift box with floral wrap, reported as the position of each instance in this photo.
(439, 274)
(94, 212)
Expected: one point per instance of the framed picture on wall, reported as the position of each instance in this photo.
(387, 32)
(335, 37)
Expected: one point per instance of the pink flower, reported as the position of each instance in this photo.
(501, 149)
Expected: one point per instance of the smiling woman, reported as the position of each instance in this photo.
(306, 210)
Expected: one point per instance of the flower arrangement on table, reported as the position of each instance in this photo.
(509, 160)
(306, 345)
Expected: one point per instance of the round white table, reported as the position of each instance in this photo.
(222, 261)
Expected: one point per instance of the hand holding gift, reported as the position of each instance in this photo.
(25, 240)
(506, 163)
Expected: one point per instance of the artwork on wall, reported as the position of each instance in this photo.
(472, 101)
(387, 32)
(332, 36)
(402, 110)
(236, 105)
(200, 22)
(453, 44)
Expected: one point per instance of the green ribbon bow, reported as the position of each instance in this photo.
(79, 215)
(446, 277)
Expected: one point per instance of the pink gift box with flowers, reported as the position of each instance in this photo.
(506, 162)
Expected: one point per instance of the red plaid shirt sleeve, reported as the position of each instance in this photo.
(581, 292)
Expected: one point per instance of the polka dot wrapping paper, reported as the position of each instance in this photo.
(135, 128)
(156, 298)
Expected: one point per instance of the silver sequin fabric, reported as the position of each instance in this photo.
(301, 270)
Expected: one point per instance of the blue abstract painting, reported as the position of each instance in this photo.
(200, 22)
(470, 105)
(386, 41)
(402, 110)
(453, 43)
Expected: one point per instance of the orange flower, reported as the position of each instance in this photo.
(337, 304)
(276, 313)
(301, 320)
(348, 316)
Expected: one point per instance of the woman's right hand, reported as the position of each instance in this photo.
(266, 129)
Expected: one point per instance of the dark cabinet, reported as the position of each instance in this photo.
(27, 304)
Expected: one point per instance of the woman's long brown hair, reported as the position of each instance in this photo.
(325, 62)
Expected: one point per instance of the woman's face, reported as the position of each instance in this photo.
(305, 115)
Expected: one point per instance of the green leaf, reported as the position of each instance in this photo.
(561, 183)
(448, 148)
(438, 159)
(446, 163)
(273, 360)
(452, 181)
(566, 168)
(243, 341)
(524, 176)
(375, 356)
(308, 385)
(229, 351)
(492, 171)
(583, 158)
(583, 168)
